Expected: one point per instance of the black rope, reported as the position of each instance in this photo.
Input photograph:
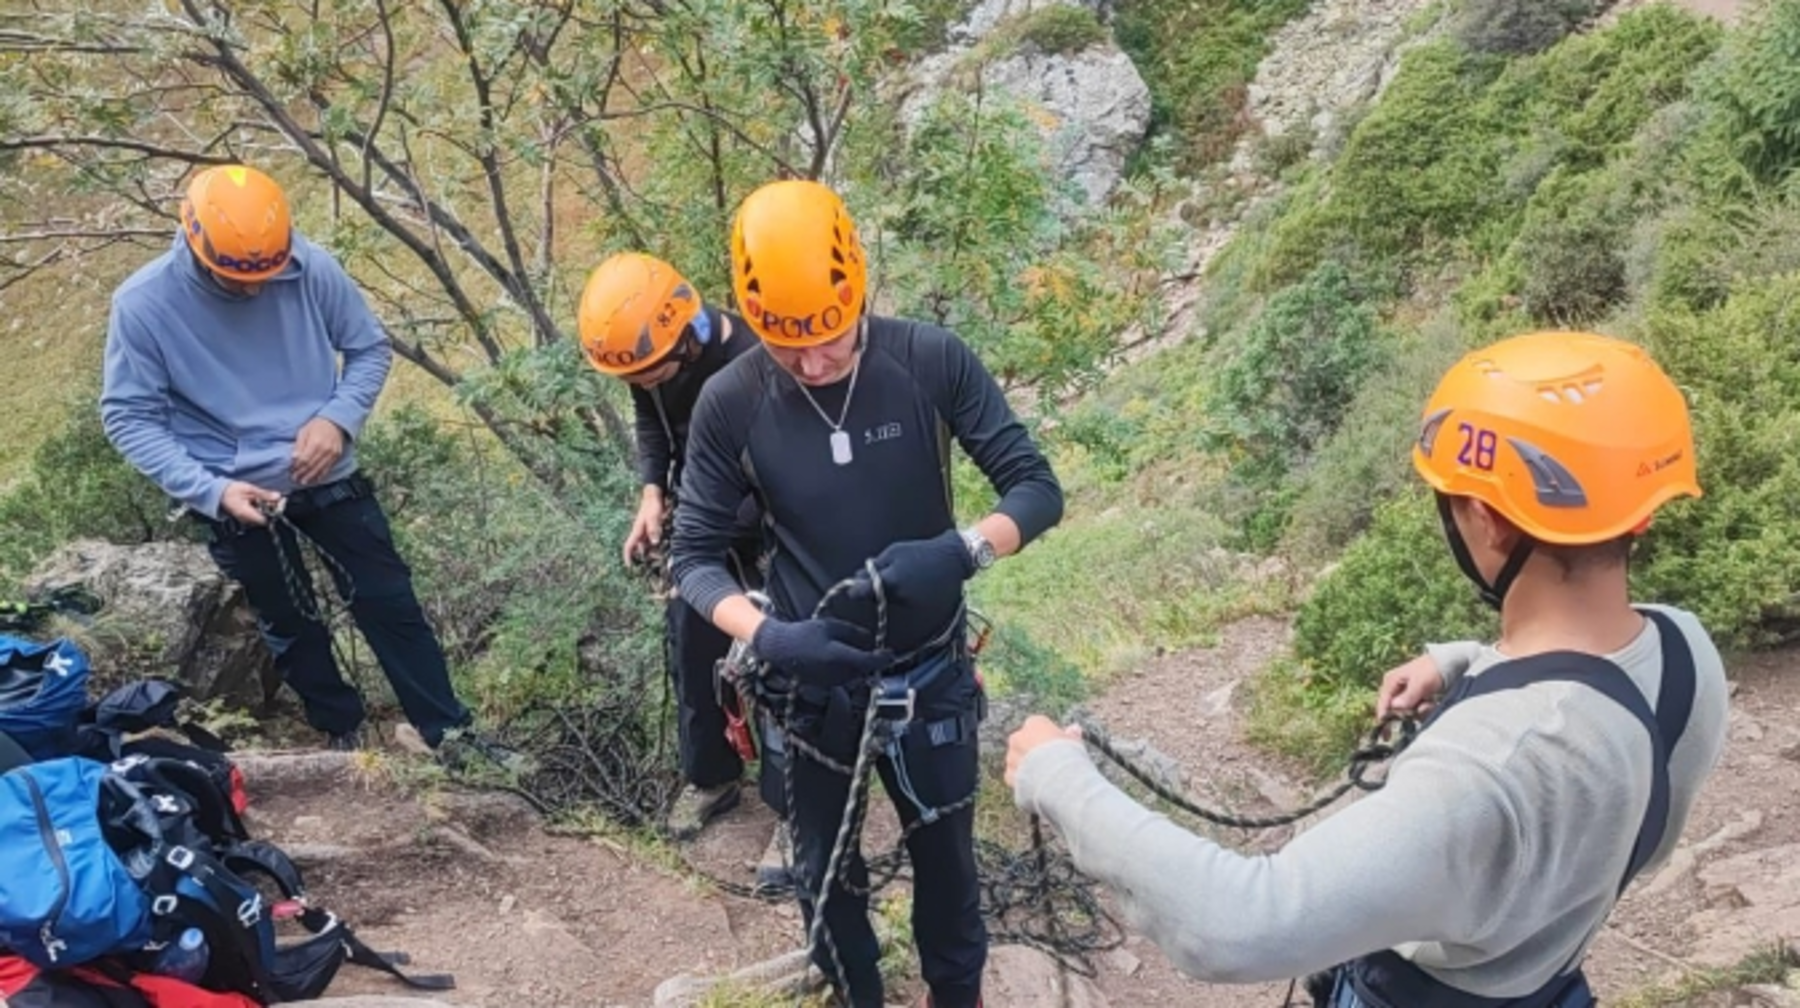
(1377, 748)
(304, 593)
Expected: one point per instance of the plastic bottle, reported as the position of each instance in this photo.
(185, 959)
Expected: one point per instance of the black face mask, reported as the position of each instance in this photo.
(1492, 594)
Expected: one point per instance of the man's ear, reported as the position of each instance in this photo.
(1492, 528)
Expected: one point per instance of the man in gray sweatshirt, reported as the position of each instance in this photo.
(222, 386)
(1556, 765)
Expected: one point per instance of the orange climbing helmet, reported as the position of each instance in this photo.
(236, 220)
(1575, 438)
(797, 266)
(633, 312)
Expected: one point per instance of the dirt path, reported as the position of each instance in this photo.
(1731, 888)
(469, 883)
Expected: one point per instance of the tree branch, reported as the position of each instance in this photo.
(119, 234)
(54, 141)
(521, 287)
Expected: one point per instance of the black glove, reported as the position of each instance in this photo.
(918, 572)
(821, 652)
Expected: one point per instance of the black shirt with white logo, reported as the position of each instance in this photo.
(754, 431)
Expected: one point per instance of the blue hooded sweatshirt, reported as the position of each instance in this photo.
(204, 387)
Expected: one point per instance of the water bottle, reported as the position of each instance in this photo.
(185, 960)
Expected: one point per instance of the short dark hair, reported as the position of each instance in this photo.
(1589, 556)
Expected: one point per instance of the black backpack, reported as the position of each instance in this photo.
(201, 869)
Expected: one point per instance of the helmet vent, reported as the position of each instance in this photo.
(1572, 394)
(1556, 487)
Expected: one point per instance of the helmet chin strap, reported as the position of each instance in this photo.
(1492, 594)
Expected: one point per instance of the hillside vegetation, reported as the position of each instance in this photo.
(1637, 178)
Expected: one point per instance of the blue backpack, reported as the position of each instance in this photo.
(66, 897)
(43, 690)
(115, 861)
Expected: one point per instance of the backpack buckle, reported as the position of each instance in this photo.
(180, 858)
(163, 906)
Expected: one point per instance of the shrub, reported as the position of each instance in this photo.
(1733, 556)
(1755, 94)
(78, 486)
(1518, 27)
(515, 577)
(1299, 364)
(1197, 57)
(1396, 589)
(1365, 462)
(1054, 30)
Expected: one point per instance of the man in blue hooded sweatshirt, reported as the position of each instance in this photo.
(222, 386)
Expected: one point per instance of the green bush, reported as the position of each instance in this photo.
(524, 584)
(1365, 462)
(1574, 272)
(1755, 95)
(1416, 183)
(1198, 58)
(1517, 27)
(1396, 589)
(1058, 29)
(78, 486)
(1733, 556)
(1299, 364)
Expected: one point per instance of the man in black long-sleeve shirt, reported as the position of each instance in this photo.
(642, 322)
(843, 431)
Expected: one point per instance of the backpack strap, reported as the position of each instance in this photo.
(1678, 675)
(261, 857)
(1675, 703)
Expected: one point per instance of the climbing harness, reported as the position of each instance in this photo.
(1035, 898)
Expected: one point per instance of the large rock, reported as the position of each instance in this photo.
(170, 613)
(1091, 106)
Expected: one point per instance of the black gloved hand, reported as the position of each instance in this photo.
(922, 571)
(821, 652)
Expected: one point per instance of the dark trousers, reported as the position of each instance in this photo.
(355, 533)
(946, 912)
(695, 648)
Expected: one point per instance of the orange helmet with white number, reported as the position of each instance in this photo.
(236, 220)
(633, 311)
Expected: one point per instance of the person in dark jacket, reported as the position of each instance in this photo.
(842, 430)
(642, 322)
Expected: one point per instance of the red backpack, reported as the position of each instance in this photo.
(103, 984)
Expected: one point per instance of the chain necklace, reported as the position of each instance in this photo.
(840, 441)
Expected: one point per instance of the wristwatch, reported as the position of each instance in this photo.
(980, 550)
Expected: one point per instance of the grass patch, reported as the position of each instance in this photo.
(1107, 590)
(1055, 30)
(1772, 964)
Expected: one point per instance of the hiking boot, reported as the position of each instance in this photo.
(349, 741)
(462, 748)
(775, 872)
(695, 807)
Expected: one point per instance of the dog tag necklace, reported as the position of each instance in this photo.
(840, 440)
